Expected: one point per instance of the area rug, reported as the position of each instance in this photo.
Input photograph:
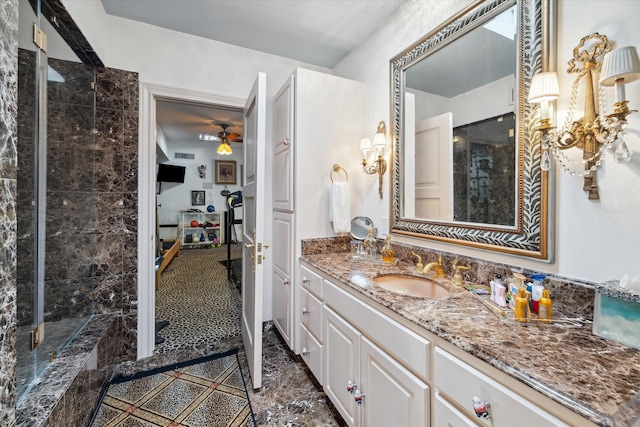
(201, 305)
(205, 392)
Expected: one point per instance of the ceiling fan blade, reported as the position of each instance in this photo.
(209, 137)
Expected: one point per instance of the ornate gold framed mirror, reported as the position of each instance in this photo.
(466, 157)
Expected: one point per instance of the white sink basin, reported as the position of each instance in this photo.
(412, 286)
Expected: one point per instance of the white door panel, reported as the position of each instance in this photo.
(253, 227)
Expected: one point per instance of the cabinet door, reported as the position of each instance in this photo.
(444, 414)
(283, 154)
(282, 272)
(341, 364)
(393, 396)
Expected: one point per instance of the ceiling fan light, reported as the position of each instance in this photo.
(221, 148)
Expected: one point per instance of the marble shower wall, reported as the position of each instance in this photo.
(8, 155)
(116, 201)
(91, 245)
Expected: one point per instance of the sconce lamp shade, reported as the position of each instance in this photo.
(544, 87)
(379, 141)
(622, 63)
(365, 145)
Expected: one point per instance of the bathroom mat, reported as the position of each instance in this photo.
(208, 391)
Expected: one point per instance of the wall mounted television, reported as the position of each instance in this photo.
(170, 173)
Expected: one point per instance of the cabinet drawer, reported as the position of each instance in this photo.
(444, 414)
(311, 353)
(461, 382)
(409, 348)
(311, 280)
(311, 313)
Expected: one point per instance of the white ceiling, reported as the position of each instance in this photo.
(319, 32)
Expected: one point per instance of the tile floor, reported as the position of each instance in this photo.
(289, 395)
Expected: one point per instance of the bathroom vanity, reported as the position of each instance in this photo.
(387, 359)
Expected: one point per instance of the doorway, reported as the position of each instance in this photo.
(149, 136)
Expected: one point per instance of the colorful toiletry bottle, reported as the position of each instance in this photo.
(536, 291)
(545, 312)
(498, 291)
(514, 287)
(521, 306)
(495, 285)
(387, 251)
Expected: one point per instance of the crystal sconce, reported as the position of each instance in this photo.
(596, 131)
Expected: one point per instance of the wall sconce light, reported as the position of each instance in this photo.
(595, 131)
(379, 165)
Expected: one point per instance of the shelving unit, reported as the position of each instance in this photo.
(209, 223)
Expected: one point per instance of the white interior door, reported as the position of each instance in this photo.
(253, 226)
(434, 177)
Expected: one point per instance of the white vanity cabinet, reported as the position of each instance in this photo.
(407, 375)
(310, 326)
(313, 115)
(283, 274)
(369, 385)
(459, 384)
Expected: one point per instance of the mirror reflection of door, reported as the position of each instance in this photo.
(434, 178)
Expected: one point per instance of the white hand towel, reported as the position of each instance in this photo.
(340, 207)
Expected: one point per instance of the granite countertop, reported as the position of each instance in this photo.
(596, 378)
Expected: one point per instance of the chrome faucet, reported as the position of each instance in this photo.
(436, 266)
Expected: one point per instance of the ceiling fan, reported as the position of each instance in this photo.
(223, 137)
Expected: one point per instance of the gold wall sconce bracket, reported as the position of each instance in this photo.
(379, 165)
(597, 65)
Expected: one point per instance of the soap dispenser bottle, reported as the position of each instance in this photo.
(387, 251)
(369, 245)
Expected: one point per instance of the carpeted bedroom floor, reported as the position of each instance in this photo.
(203, 309)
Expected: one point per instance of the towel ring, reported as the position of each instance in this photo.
(337, 168)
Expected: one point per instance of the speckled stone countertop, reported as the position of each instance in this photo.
(596, 378)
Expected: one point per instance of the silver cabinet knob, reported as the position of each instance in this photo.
(351, 386)
(357, 396)
(305, 351)
(305, 311)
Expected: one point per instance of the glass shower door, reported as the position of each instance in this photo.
(56, 220)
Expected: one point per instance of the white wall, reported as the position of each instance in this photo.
(595, 240)
(181, 61)
(175, 197)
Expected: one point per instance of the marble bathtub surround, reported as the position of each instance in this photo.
(570, 296)
(596, 378)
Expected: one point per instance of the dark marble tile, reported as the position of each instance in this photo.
(9, 29)
(109, 254)
(69, 256)
(7, 363)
